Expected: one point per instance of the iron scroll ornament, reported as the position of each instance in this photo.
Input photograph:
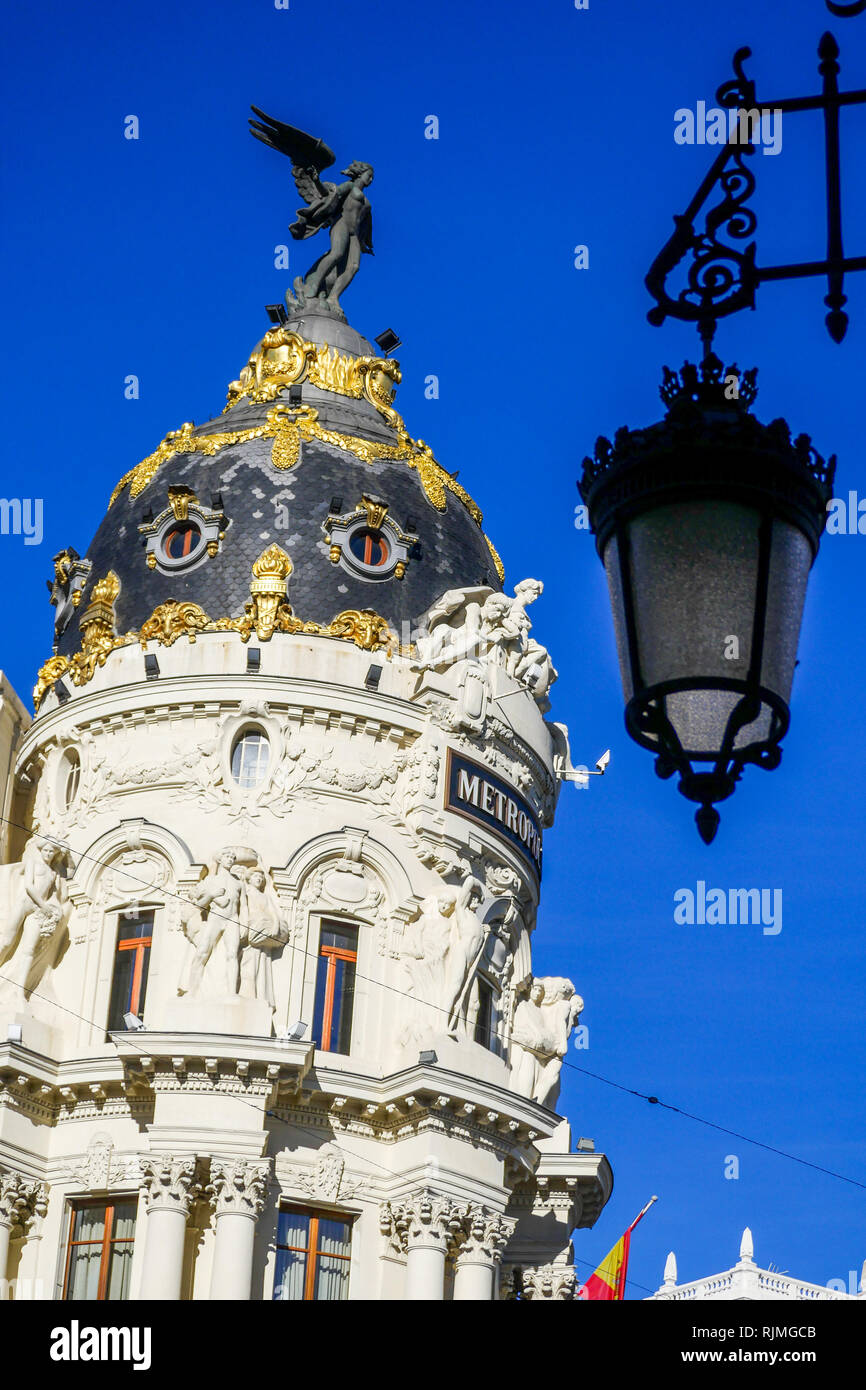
(723, 276)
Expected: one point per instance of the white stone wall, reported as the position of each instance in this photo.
(348, 824)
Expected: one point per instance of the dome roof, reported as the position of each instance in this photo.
(310, 456)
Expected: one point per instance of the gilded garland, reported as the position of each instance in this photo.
(268, 611)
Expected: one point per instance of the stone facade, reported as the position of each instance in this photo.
(399, 791)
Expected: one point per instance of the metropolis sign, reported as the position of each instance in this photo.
(474, 792)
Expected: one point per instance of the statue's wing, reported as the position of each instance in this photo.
(311, 189)
(302, 149)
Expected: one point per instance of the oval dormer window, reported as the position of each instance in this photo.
(181, 542)
(370, 548)
(250, 756)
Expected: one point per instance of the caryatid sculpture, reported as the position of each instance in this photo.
(441, 953)
(342, 208)
(34, 906)
(235, 918)
(547, 1010)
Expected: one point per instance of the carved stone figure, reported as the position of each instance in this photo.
(483, 625)
(468, 939)
(216, 903)
(423, 956)
(35, 909)
(234, 918)
(343, 208)
(544, 1017)
(440, 954)
(265, 931)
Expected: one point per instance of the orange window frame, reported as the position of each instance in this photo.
(107, 1241)
(332, 954)
(310, 1251)
(139, 944)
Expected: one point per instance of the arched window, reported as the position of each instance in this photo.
(72, 779)
(250, 756)
(335, 987)
(131, 965)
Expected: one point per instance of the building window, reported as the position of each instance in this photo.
(181, 541)
(131, 962)
(485, 1018)
(313, 1254)
(73, 778)
(99, 1256)
(250, 756)
(335, 988)
(370, 547)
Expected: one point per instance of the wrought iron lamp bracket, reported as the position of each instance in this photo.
(723, 275)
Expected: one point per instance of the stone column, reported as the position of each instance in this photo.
(425, 1226)
(170, 1188)
(238, 1188)
(485, 1235)
(20, 1200)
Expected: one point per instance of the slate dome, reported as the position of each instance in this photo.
(308, 440)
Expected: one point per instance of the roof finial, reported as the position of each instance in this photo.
(747, 1246)
(671, 1270)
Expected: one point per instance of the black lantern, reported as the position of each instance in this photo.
(707, 524)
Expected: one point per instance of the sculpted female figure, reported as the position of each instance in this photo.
(265, 931)
(37, 906)
(543, 1020)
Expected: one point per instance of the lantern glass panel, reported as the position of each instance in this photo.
(790, 564)
(693, 578)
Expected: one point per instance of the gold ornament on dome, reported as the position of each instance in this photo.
(267, 612)
(290, 426)
(283, 358)
(179, 499)
(171, 620)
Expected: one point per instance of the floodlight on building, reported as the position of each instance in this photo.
(133, 1023)
(388, 341)
(295, 395)
(373, 676)
(151, 666)
(295, 1031)
(427, 1059)
(254, 660)
(61, 691)
(586, 1146)
(276, 313)
(14, 1032)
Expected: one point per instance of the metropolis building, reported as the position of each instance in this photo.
(271, 863)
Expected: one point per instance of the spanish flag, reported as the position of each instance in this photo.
(608, 1282)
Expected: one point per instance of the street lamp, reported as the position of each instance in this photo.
(707, 524)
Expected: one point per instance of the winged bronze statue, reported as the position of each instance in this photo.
(343, 208)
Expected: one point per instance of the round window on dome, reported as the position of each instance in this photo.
(370, 548)
(250, 757)
(182, 541)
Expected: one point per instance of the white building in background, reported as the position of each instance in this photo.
(272, 861)
(746, 1281)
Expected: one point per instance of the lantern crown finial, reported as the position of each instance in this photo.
(710, 386)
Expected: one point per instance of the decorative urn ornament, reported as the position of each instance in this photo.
(707, 524)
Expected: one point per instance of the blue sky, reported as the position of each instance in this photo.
(154, 257)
